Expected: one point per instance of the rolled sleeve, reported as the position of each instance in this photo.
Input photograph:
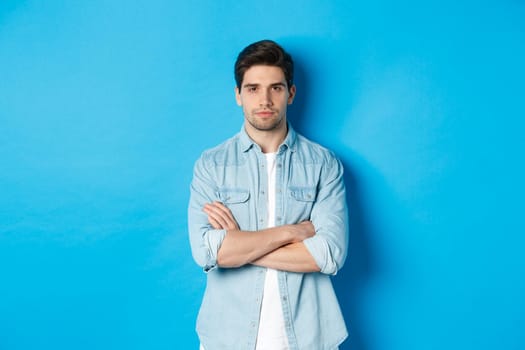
(319, 248)
(212, 242)
(204, 240)
(329, 216)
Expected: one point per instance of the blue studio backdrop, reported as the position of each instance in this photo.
(105, 106)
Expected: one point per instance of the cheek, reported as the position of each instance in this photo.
(246, 111)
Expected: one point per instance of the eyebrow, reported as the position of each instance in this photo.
(248, 85)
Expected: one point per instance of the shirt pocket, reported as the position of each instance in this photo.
(300, 203)
(238, 201)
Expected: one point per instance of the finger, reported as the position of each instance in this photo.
(307, 223)
(214, 223)
(224, 209)
(216, 210)
(220, 220)
(215, 215)
(226, 219)
(226, 212)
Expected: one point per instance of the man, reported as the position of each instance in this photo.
(268, 222)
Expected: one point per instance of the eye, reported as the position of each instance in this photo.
(252, 89)
(277, 88)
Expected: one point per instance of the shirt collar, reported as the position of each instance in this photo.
(247, 143)
(290, 139)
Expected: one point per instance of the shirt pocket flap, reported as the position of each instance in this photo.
(231, 196)
(303, 194)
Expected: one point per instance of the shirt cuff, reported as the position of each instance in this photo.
(320, 251)
(212, 241)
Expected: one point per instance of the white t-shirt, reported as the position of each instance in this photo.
(272, 332)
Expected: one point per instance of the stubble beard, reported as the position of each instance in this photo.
(265, 125)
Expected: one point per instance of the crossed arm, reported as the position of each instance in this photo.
(277, 247)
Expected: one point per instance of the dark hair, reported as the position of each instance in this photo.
(264, 52)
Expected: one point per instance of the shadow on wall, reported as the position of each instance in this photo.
(351, 280)
(298, 111)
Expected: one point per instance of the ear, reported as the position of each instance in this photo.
(291, 94)
(238, 96)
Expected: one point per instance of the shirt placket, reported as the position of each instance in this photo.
(260, 184)
(283, 162)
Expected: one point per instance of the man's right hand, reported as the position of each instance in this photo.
(301, 231)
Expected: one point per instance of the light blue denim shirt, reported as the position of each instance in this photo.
(309, 186)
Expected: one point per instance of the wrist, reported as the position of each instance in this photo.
(293, 235)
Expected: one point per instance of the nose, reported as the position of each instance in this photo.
(265, 99)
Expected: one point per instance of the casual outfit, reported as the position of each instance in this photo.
(308, 185)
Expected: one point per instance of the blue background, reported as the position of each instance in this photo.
(105, 105)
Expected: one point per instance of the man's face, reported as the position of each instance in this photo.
(264, 97)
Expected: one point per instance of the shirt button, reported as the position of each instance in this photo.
(278, 218)
(278, 165)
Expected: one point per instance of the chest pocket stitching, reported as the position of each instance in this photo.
(232, 196)
(303, 194)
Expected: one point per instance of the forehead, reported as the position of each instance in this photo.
(261, 74)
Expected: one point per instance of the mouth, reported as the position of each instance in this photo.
(264, 113)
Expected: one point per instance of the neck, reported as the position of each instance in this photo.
(268, 140)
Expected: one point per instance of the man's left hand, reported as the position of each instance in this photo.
(220, 216)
